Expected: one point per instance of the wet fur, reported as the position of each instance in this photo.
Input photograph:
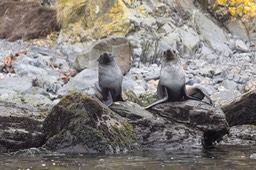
(110, 79)
(172, 85)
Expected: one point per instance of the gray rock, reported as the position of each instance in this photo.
(253, 156)
(236, 27)
(79, 124)
(26, 66)
(17, 84)
(7, 47)
(84, 79)
(118, 46)
(230, 85)
(213, 35)
(40, 50)
(204, 52)
(196, 120)
(21, 127)
(70, 51)
(241, 135)
(130, 111)
(153, 73)
(190, 42)
(241, 46)
(230, 76)
(49, 83)
(242, 110)
(207, 71)
(224, 96)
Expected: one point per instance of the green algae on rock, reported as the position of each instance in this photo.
(79, 124)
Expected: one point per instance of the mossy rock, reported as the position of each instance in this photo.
(148, 98)
(79, 124)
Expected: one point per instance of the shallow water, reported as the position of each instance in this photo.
(221, 158)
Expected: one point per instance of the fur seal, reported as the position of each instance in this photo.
(172, 85)
(110, 79)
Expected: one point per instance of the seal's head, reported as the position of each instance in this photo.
(106, 58)
(170, 55)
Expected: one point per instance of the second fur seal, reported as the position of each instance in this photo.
(110, 79)
(172, 83)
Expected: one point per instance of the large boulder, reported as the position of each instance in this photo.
(242, 110)
(79, 124)
(118, 46)
(175, 125)
(20, 127)
(85, 79)
(26, 20)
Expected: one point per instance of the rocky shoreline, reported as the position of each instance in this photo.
(53, 78)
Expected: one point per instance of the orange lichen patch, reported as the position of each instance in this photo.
(66, 75)
(7, 62)
(22, 52)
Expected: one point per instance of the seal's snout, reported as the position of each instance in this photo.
(170, 54)
(105, 58)
(105, 55)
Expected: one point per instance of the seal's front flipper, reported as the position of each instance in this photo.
(109, 100)
(161, 100)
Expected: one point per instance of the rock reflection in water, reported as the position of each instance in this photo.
(225, 157)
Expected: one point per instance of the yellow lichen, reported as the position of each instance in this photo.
(142, 10)
(239, 8)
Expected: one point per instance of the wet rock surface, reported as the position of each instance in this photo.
(242, 111)
(78, 124)
(241, 135)
(21, 127)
